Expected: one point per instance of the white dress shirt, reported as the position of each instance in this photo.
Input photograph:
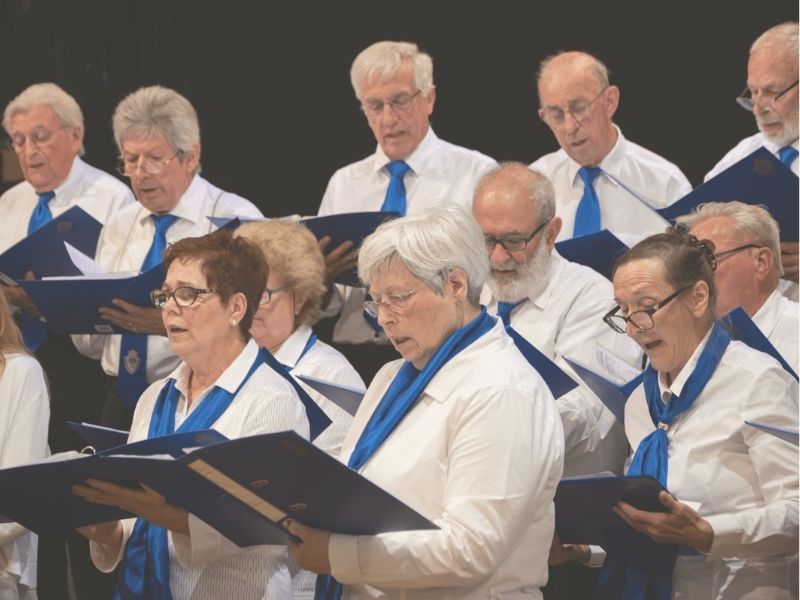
(440, 173)
(205, 565)
(321, 361)
(744, 480)
(24, 415)
(628, 171)
(480, 454)
(566, 319)
(123, 245)
(95, 191)
(746, 147)
(779, 320)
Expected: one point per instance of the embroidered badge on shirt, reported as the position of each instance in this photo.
(132, 361)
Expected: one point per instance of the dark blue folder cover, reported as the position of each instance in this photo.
(583, 507)
(71, 305)
(556, 379)
(44, 253)
(231, 485)
(98, 437)
(344, 397)
(609, 393)
(759, 178)
(742, 328)
(598, 251)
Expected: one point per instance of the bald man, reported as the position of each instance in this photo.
(601, 180)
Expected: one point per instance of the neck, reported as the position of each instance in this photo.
(206, 370)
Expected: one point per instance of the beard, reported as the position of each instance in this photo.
(520, 279)
(787, 133)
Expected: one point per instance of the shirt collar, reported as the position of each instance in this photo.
(676, 387)
(418, 160)
(612, 162)
(292, 348)
(190, 205)
(62, 195)
(773, 147)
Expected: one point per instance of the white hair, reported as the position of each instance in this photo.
(781, 37)
(47, 94)
(383, 59)
(749, 221)
(538, 188)
(430, 244)
(157, 110)
(597, 69)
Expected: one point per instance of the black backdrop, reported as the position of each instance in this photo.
(270, 81)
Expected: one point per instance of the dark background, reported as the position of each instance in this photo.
(271, 81)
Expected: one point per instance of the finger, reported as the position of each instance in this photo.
(293, 528)
(669, 502)
(337, 252)
(323, 242)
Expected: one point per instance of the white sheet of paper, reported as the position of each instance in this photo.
(619, 370)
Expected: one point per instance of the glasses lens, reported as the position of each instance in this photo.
(185, 296)
(745, 102)
(265, 297)
(617, 323)
(371, 308)
(158, 298)
(642, 319)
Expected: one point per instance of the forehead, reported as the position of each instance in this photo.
(183, 272)
(500, 209)
(152, 144)
(771, 65)
(394, 278)
(717, 229)
(402, 80)
(38, 116)
(638, 278)
(559, 85)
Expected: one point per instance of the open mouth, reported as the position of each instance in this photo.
(175, 329)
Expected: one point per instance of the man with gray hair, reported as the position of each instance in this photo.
(410, 170)
(771, 95)
(748, 269)
(158, 136)
(601, 179)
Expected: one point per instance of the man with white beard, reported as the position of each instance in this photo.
(556, 305)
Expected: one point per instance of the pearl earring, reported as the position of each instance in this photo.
(233, 322)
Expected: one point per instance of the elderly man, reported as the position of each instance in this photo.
(158, 136)
(771, 95)
(602, 180)
(748, 269)
(410, 170)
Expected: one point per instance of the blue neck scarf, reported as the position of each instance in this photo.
(630, 571)
(397, 402)
(145, 569)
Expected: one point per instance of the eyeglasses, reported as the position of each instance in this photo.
(643, 319)
(150, 166)
(266, 297)
(512, 243)
(746, 101)
(39, 138)
(399, 103)
(184, 296)
(725, 253)
(579, 109)
(394, 303)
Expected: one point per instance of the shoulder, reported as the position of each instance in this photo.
(23, 367)
(103, 181)
(549, 163)
(13, 194)
(326, 362)
(356, 170)
(739, 151)
(649, 160)
(459, 157)
(223, 203)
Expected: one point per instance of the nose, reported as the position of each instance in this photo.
(498, 254)
(385, 316)
(571, 124)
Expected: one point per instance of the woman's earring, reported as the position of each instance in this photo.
(234, 322)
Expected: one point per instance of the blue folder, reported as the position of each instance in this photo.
(556, 379)
(71, 305)
(44, 253)
(598, 251)
(244, 488)
(98, 437)
(742, 328)
(583, 507)
(346, 398)
(759, 178)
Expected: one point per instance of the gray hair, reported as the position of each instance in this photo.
(750, 221)
(781, 37)
(47, 94)
(430, 244)
(537, 187)
(597, 69)
(385, 58)
(157, 110)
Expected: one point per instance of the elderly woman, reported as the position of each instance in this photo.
(462, 429)
(290, 305)
(209, 297)
(158, 137)
(734, 530)
(24, 413)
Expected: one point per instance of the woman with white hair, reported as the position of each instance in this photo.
(462, 430)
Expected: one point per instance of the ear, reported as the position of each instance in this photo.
(611, 100)
(430, 101)
(457, 284)
(299, 303)
(192, 159)
(699, 299)
(76, 138)
(237, 306)
(764, 263)
(552, 231)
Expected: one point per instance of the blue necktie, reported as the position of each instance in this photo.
(587, 217)
(133, 347)
(504, 311)
(787, 155)
(41, 214)
(396, 192)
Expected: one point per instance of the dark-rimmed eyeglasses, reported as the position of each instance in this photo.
(512, 243)
(393, 302)
(398, 103)
(579, 109)
(725, 253)
(184, 296)
(266, 297)
(150, 166)
(745, 99)
(642, 319)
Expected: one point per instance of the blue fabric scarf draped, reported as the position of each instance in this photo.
(644, 564)
(397, 402)
(145, 569)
